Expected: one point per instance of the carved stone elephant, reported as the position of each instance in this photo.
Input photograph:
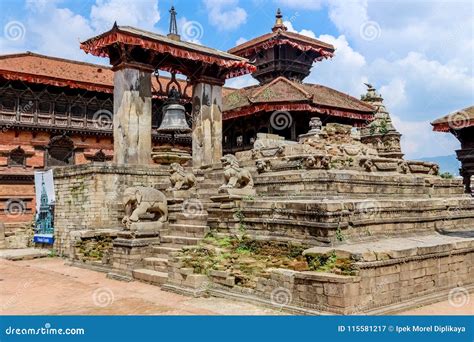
(140, 200)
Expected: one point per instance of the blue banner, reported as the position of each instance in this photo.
(45, 201)
(236, 328)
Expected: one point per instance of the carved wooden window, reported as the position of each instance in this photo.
(60, 152)
(93, 107)
(17, 157)
(78, 107)
(27, 102)
(45, 103)
(8, 99)
(61, 106)
(99, 157)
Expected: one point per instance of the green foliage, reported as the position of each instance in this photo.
(339, 234)
(249, 198)
(330, 263)
(239, 215)
(446, 175)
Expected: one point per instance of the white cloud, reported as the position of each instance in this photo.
(143, 14)
(51, 30)
(225, 14)
(57, 31)
(419, 141)
(241, 40)
(241, 82)
(420, 60)
(395, 94)
(301, 4)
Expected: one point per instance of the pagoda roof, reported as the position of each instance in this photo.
(36, 68)
(284, 94)
(459, 119)
(98, 46)
(282, 37)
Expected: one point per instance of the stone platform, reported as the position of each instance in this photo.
(392, 275)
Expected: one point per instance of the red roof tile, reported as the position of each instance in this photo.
(36, 68)
(282, 90)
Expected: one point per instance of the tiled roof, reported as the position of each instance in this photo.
(36, 68)
(159, 46)
(303, 42)
(282, 90)
(459, 119)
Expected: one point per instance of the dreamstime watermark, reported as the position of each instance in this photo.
(192, 207)
(14, 30)
(14, 207)
(370, 30)
(458, 120)
(369, 208)
(281, 297)
(192, 31)
(458, 297)
(103, 297)
(11, 301)
(103, 119)
(281, 120)
(47, 329)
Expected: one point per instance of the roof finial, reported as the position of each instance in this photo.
(173, 34)
(279, 22)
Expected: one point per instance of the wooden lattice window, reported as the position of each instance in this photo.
(60, 151)
(100, 157)
(17, 157)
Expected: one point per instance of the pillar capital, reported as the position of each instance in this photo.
(133, 65)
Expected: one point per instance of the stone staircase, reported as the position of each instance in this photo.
(188, 230)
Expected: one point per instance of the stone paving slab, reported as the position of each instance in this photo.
(393, 248)
(23, 253)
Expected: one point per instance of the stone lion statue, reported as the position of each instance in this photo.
(235, 176)
(180, 179)
(139, 201)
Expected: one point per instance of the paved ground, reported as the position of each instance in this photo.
(23, 253)
(48, 287)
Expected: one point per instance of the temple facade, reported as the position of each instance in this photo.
(58, 112)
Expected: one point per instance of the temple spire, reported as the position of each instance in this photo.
(279, 22)
(173, 34)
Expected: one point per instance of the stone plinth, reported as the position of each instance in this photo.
(88, 197)
(134, 245)
(207, 124)
(168, 155)
(132, 117)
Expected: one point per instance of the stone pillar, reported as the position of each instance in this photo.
(207, 123)
(132, 116)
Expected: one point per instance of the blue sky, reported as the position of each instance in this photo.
(419, 54)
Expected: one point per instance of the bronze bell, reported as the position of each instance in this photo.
(174, 120)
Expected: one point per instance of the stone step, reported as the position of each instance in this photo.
(150, 276)
(188, 230)
(192, 218)
(179, 240)
(164, 251)
(156, 264)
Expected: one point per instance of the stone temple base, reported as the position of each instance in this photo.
(132, 246)
(392, 275)
(88, 197)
